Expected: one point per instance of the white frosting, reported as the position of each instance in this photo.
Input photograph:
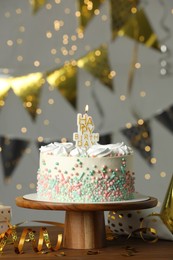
(78, 151)
(97, 150)
(61, 149)
(120, 148)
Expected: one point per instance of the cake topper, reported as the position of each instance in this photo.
(85, 137)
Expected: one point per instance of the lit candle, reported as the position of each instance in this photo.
(85, 137)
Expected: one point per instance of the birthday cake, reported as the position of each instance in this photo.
(87, 172)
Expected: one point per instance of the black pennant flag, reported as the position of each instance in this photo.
(139, 136)
(166, 118)
(11, 153)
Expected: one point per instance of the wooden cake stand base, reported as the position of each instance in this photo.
(85, 223)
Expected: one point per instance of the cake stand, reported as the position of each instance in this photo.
(84, 223)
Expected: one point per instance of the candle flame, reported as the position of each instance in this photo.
(86, 108)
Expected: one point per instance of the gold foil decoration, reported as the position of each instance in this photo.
(4, 88)
(11, 236)
(65, 80)
(37, 4)
(28, 88)
(121, 11)
(139, 29)
(96, 62)
(87, 9)
(167, 207)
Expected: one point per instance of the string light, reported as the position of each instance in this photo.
(46, 122)
(153, 160)
(19, 186)
(163, 174)
(32, 186)
(147, 176)
(40, 139)
(88, 83)
(140, 122)
(48, 6)
(23, 130)
(122, 97)
(128, 125)
(142, 93)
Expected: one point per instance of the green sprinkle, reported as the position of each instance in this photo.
(81, 176)
(92, 172)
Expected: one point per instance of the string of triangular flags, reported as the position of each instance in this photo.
(64, 79)
(126, 19)
(139, 136)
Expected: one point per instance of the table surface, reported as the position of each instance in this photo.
(119, 248)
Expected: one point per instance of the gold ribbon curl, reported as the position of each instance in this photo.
(11, 236)
(143, 230)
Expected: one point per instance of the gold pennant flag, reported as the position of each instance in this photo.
(167, 207)
(97, 63)
(28, 88)
(121, 11)
(88, 9)
(5, 86)
(65, 80)
(138, 28)
(37, 4)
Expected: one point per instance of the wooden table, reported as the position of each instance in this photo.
(85, 222)
(117, 249)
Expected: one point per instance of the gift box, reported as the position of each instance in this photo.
(129, 222)
(5, 217)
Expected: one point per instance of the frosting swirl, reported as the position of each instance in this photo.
(98, 150)
(62, 149)
(79, 151)
(120, 149)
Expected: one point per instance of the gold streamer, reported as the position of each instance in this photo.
(87, 10)
(65, 80)
(11, 235)
(96, 62)
(141, 230)
(167, 207)
(37, 4)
